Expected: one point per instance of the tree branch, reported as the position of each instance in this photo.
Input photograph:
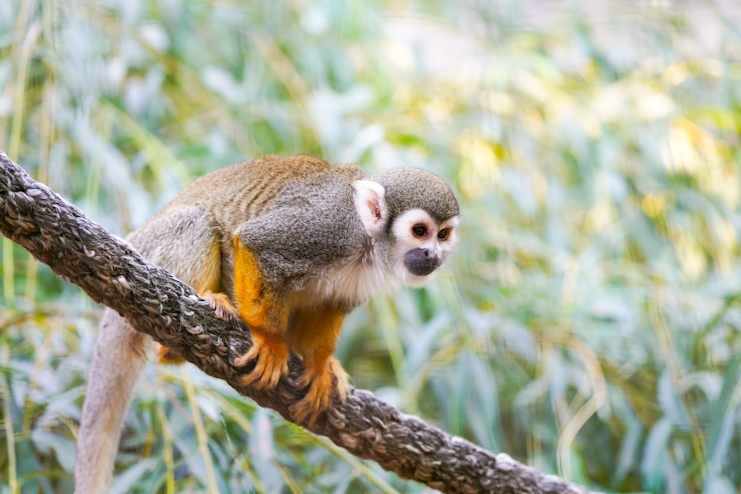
(158, 304)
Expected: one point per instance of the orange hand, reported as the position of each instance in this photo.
(328, 383)
(272, 360)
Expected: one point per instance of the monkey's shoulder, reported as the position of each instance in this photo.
(312, 226)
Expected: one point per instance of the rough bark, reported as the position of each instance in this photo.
(156, 303)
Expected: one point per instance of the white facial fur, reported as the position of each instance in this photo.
(371, 272)
(406, 240)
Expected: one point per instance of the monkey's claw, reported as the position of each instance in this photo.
(327, 384)
(221, 305)
(272, 361)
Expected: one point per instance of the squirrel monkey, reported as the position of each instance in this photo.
(289, 245)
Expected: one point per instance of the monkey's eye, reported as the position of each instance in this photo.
(419, 231)
(442, 234)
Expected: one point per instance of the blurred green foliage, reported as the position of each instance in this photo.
(590, 324)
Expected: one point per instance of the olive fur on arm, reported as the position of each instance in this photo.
(154, 302)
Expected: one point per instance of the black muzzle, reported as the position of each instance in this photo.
(421, 262)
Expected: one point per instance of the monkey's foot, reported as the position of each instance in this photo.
(167, 355)
(221, 304)
(327, 383)
(272, 361)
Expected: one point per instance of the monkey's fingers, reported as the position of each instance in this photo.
(266, 374)
(329, 383)
(245, 359)
(272, 361)
(221, 304)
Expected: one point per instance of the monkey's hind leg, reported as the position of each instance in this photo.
(266, 315)
(314, 334)
(117, 362)
(186, 243)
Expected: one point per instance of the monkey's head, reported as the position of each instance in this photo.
(411, 216)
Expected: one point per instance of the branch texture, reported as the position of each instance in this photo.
(156, 303)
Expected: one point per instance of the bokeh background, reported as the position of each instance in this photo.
(590, 324)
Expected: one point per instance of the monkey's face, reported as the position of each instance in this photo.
(415, 244)
(419, 245)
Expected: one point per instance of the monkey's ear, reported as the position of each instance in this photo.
(370, 201)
